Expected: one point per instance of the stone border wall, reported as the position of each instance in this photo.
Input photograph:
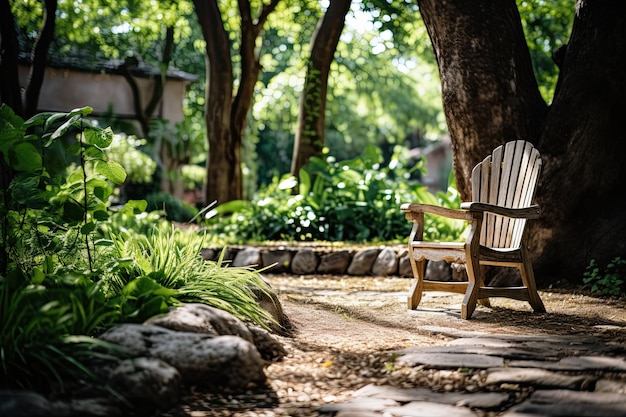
(319, 259)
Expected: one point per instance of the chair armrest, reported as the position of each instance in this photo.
(438, 210)
(530, 212)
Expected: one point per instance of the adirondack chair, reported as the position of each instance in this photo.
(503, 186)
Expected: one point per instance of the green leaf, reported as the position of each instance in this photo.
(305, 182)
(24, 157)
(88, 228)
(12, 128)
(82, 111)
(65, 127)
(112, 171)
(100, 215)
(72, 211)
(101, 138)
(137, 206)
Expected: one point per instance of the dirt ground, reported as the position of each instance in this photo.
(364, 306)
(346, 330)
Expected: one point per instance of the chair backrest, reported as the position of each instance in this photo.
(508, 178)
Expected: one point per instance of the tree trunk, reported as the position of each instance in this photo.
(489, 91)
(40, 58)
(309, 139)
(490, 96)
(584, 146)
(9, 76)
(225, 116)
(223, 179)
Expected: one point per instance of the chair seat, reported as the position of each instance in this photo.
(439, 251)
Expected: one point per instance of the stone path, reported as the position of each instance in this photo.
(570, 376)
(505, 362)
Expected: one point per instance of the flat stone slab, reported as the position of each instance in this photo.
(607, 385)
(571, 340)
(537, 377)
(577, 363)
(511, 353)
(565, 403)
(403, 395)
(451, 360)
(426, 409)
(362, 404)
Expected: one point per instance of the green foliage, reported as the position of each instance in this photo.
(547, 26)
(43, 337)
(174, 209)
(72, 267)
(607, 281)
(138, 165)
(193, 176)
(356, 200)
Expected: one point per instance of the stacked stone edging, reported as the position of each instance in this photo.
(318, 259)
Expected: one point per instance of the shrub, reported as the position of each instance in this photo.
(70, 267)
(357, 200)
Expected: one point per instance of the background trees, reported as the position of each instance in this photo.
(498, 82)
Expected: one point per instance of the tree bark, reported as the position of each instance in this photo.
(9, 76)
(309, 140)
(40, 58)
(225, 115)
(490, 96)
(584, 146)
(489, 91)
(223, 178)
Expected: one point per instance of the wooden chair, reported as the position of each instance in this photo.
(503, 186)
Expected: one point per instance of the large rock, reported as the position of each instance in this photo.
(304, 262)
(229, 361)
(386, 263)
(247, 257)
(334, 262)
(148, 383)
(202, 318)
(277, 260)
(24, 404)
(362, 261)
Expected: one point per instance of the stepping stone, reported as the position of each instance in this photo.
(565, 403)
(486, 400)
(362, 404)
(426, 409)
(507, 353)
(607, 385)
(537, 378)
(596, 363)
(577, 363)
(451, 360)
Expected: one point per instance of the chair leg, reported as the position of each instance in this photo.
(528, 279)
(415, 294)
(474, 282)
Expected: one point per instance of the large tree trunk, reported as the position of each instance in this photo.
(309, 139)
(489, 91)
(225, 115)
(40, 58)
(490, 96)
(584, 145)
(223, 181)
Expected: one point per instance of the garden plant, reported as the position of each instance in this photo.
(71, 266)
